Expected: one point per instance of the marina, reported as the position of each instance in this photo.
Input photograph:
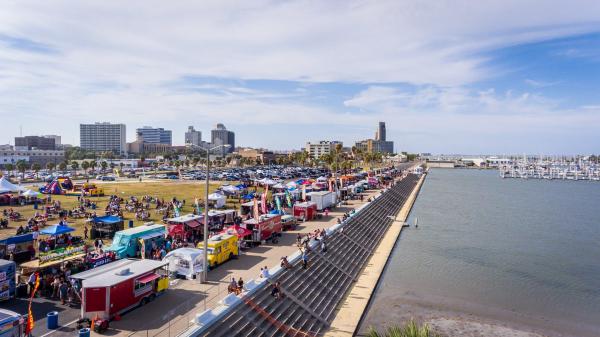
(551, 169)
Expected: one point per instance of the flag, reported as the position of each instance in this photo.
(330, 186)
(142, 249)
(278, 203)
(289, 198)
(304, 192)
(30, 321)
(256, 214)
(263, 202)
(198, 208)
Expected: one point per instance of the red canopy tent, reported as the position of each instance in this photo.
(240, 232)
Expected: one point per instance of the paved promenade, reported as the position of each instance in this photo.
(354, 305)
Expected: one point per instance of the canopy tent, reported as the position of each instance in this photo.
(177, 226)
(56, 230)
(230, 189)
(236, 230)
(218, 199)
(185, 261)
(7, 186)
(241, 186)
(107, 219)
(267, 181)
(248, 196)
(320, 179)
(279, 186)
(30, 193)
(291, 184)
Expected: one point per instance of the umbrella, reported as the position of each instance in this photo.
(56, 230)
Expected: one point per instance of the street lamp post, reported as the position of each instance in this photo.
(205, 233)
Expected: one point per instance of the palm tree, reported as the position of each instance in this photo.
(9, 167)
(50, 166)
(36, 167)
(22, 166)
(63, 165)
(104, 165)
(85, 165)
(93, 164)
(410, 329)
(75, 166)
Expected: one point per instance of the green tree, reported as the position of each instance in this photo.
(85, 165)
(50, 166)
(22, 166)
(104, 165)
(63, 165)
(74, 165)
(36, 167)
(93, 164)
(9, 167)
(410, 329)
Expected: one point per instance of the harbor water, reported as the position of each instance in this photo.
(521, 252)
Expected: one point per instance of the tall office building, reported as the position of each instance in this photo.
(316, 150)
(155, 135)
(380, 134)
(34, 143)
(103, 137)
(193, 137)
(57, 139)
(221, 136)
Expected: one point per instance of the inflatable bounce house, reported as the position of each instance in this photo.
(59, 185)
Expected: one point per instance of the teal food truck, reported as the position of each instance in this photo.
(127, 243)
(7, 280)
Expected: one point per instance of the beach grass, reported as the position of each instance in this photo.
(410, 329)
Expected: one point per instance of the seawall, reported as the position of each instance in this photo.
(353, 307)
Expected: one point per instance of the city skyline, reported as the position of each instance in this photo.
(444, 81)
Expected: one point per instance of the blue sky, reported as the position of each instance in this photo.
(447, 76)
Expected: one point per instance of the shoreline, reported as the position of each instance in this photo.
(455, 317)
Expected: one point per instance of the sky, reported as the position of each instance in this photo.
(494, 76)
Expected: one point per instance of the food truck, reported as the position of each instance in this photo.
(221, 248)
(323, 199)
(7, 280)
(288, 222)
(181, 226)
(114, 288)
(127, 243)
(21, 246)
(305, 210)
(267, 227)
(12, 324)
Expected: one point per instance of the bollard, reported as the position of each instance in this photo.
(52, 320)
(85, 332)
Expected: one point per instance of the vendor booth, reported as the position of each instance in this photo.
(288, 222)
(186, 262)
(266, 227)
(238, 231)
(21, 246)
(185, 225)
(246, 208)
(105, 226)
(7, 281)
(306, 211)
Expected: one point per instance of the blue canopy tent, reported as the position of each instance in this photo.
(56, 230)
(106, 226)
(18, 245)
(241, 186)
(248, 196)
(276, 211)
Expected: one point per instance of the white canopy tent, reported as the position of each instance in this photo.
(7, 186)
(30, 193)
(218, 199)
(185, 261)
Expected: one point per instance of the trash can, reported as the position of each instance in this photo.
(52, 320)
(85, 332)
(130, 223)
(35, 205)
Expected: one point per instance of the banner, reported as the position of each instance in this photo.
(304, 192)
(288, 197)
(198, 209)
(278, 203)
(330, 186)
(142, 249)
(60, 253)
(263, 202)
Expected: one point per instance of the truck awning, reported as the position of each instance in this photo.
(148, 278)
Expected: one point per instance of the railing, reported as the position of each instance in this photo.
(180, 318)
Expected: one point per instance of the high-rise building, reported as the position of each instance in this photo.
(379, 144)
(57, 139)
(221, 136)
(103, 137)
(34, 143)
(380, 134)
(316, 150)
(155, 135)
(193, 137)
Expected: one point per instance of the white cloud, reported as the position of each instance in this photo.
(111, 60)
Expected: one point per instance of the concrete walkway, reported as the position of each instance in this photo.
(354, 305)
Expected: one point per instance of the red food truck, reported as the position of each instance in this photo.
(268, 227)
(305, 210)
(119, 286)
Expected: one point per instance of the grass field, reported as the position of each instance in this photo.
(162, 189)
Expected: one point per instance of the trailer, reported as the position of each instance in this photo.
(267, 227)
(115, 288)
(7, 280)
(305, 210)
(323, 199)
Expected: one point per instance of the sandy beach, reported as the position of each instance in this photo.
(453, 318)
